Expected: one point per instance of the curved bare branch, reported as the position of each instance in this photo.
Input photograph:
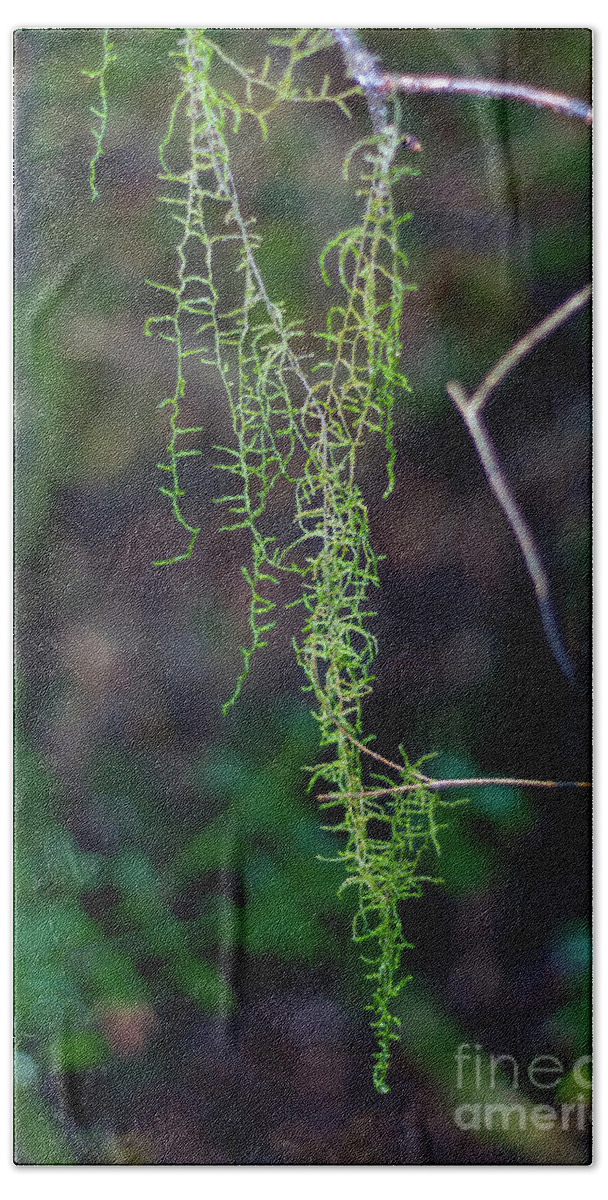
(436, 785)
(377, 84)
(491, 89)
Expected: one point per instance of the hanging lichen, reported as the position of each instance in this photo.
(303, 424)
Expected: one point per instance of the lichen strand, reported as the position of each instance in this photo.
(385, 846)
(305, 426)
(100, 113)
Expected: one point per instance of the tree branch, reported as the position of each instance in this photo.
(377, 84)
(471, 409)
(525, 344)
(435, 785)
(387, 762)
(491, 89)
(363, 67)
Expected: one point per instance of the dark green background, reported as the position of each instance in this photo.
(186, 986)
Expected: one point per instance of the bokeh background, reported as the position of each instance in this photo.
(186, 987)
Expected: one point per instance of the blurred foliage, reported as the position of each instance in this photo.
(168, 893)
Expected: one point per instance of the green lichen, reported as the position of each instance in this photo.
(303, 425)
(102, 112)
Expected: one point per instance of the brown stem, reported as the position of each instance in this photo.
(376, 84)
(471, 410)
(491, 89)
(523, 347)
(351, 737)
(436, 785)
(362, 66)
(365, 749)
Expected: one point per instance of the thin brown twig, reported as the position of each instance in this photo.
(365, 749)
(470, 408)
(525, 344)
(436, 785)
(429, 783)
(491, 89)
(362, 66)
(360, 745)
(377, 84)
